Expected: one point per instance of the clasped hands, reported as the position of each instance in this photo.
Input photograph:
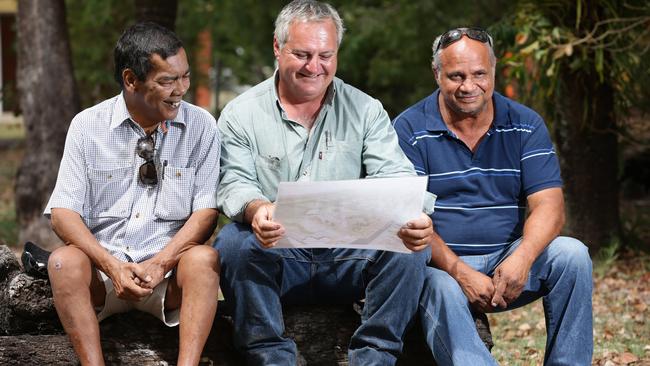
(486, 294)
(134, 281)
(415, 234)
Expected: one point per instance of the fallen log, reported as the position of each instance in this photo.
(30, 332)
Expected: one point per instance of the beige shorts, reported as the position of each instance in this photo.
(153, 304)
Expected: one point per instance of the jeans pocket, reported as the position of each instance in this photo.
(174, 200)
(109, 193)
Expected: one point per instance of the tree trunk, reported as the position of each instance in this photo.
(48, 99)
(162, 12)
(588, 145)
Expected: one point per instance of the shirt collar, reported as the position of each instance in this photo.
(121, 113)
(436, 123)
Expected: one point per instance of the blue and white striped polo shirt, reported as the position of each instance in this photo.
(481, 205)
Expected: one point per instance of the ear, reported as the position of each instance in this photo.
(436, 74)
(130, 80)
(276, 47)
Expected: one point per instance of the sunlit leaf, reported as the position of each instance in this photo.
(551, 70)
(521, 38)
(598, 62)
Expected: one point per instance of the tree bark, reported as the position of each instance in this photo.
(48, 99)
(588, 146)
(162, 12)
(587, 138)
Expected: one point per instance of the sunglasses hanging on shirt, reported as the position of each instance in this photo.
(145, 148)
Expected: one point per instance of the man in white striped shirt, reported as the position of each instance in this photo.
(134, 201)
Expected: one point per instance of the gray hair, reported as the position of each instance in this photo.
(306, 11)
(435, 60)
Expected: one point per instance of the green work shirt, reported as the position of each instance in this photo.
(351, 138)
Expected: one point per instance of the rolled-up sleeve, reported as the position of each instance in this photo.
(238, 183)
(71, 182)
(382, 155)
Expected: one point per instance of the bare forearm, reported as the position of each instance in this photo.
(69, 226)
(196, 231)
(543, 224)
(445, 259)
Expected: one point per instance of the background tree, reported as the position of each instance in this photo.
(49, 100)
(581, 62)
(94, 27)
(162, 12)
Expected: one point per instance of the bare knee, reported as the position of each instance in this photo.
(68, 265)
(200, 263)
(200, 256)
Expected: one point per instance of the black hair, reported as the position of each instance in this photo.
(138, 43)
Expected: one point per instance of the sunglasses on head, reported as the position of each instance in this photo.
(145, 148)
(454, 35)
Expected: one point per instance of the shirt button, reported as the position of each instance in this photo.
(304, 173)
(178, 174)
(137, 215)
(110, 176)
(128, 248)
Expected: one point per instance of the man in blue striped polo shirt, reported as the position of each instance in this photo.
(498, 214)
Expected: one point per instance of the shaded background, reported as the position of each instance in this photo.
(582, 64)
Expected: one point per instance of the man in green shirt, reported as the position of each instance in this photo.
(304, 124)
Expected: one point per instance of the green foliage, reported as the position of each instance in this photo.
(387, 49)
(242, 33)
(94, 26)
(604, 38)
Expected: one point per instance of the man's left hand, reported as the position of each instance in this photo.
(417, 234)
(155, 270)
(509, 279)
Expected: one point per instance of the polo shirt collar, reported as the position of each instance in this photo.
(502, 116)
(121, 113)
(436, 124)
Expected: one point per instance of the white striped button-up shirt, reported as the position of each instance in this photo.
(98, 177)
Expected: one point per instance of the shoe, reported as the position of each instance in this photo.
(34, 260)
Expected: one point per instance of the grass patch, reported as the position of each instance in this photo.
(11, 158)
(12, 131)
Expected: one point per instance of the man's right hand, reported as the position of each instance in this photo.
(126, 278)
(477, 287)
(266, 231)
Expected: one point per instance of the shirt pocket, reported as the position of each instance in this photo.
(175, 198)
(270, 170)
(109, 194)
(341, 160)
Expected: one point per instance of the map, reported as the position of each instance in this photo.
(360, 214)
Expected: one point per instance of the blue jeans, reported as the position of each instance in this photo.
(561, 275)
(257, 281)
